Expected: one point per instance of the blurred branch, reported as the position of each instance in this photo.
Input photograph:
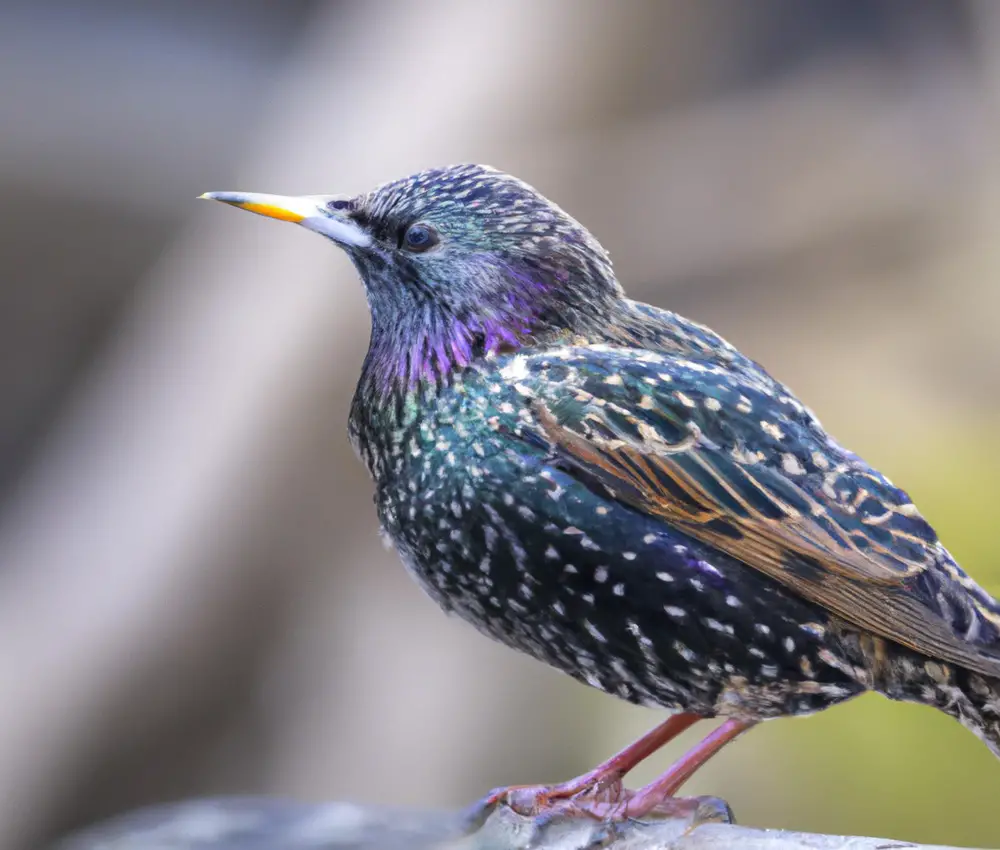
(249, 824)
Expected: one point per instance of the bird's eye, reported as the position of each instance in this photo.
(420, 237)
(339, 204)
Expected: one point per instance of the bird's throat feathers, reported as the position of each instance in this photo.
(427, 345)
(421, 334)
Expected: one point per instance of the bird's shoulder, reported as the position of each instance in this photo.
(769, 454)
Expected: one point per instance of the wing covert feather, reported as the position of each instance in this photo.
(735, 462)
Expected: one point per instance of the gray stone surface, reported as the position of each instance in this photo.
(263, 824)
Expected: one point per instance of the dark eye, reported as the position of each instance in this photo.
(339, 204)
(419, 237)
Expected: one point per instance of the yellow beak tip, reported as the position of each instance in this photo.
(271, 211)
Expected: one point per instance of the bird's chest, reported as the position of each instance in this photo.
(534, 558)
(529, 557)
(492, 533)
(436, 481)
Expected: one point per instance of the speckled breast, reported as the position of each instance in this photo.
(616, 599)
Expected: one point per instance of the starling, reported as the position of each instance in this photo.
(620, 493)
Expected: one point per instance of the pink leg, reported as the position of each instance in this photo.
(661, 790)
(531, 799)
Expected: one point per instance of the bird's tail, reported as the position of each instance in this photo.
(980, 710)
(970, 698)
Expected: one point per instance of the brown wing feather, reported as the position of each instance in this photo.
(791, 546)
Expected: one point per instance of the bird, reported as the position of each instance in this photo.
(620, 493)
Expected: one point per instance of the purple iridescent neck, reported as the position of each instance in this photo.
(430, 346)
(419, 341)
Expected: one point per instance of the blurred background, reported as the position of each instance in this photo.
(193, 597)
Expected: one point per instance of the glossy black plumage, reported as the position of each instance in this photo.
(619, 492)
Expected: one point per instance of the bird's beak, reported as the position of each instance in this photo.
(308, 211)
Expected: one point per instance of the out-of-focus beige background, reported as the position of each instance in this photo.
(193, 597)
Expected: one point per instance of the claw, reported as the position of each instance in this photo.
(473, 818)
(712, 810)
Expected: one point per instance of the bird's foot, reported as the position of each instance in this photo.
(601, 823)
(630, 806)
(601, 795)
(595, 825)
(540, 800)
(606, 801)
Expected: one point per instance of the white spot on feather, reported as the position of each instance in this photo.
(516, 369)
(772, 430)
(790, 463)
(687, 401)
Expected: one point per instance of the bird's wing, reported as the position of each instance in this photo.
(731, 459)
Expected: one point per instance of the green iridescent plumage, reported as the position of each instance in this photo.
(617, 490)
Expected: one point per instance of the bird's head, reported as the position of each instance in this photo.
(457, 263)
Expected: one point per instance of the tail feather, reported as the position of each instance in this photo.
(977, 708)
(972, 699)
(898, 673)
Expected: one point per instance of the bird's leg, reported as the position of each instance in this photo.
(660, 792)
(533, 799)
